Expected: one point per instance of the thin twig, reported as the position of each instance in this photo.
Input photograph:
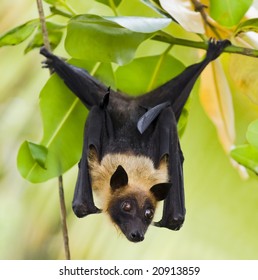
(213, 25)
(63, 218)
(199, 7)
(43, 25)
(60, 178)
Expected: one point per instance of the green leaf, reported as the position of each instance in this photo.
(246, 155)
(63, 118)
(19, 34)
(54, 35)
(103, 39)
(252, 133)
(248, 25)
(146, 73)
(38, 153)
(141, 24)
(229, 12)
(34, 155)
(63, 121)
(110, 2)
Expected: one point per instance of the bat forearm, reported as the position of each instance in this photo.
(89, 90)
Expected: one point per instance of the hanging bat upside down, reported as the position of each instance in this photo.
(131, 155)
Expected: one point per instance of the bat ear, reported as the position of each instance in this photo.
(160, 191)
(119, 178)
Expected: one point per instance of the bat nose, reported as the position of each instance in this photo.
(137, 236)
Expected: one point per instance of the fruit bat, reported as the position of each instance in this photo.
(131, 154)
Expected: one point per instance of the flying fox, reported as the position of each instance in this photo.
(131, 155)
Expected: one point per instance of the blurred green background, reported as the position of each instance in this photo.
(222, 209)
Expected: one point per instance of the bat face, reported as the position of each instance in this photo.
(132, 208)
(129, 188)
(132, 218)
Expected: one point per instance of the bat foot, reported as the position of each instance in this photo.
(216, 47)
(81, 210)
(173, 224)
(44, 51)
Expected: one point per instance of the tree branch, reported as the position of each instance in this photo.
(164, 37)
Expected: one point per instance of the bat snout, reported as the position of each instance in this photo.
(136, 236)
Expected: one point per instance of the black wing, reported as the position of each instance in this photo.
(98, 130)
(177, 90)
(166, 103)
(165, 142)
(89, 90)
(98, 126)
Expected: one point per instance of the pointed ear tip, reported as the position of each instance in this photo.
(119, 178)
(119, 167)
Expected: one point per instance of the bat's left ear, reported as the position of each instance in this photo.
(160, 191)
(119, 178)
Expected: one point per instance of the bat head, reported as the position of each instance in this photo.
(132, 210)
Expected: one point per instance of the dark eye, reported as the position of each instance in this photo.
(126, 206)
(149, 214)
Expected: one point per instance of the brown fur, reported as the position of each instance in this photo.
(140, 170)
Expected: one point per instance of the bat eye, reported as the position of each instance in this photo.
(149, 213)
(126, 206)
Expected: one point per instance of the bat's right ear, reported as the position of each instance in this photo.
(119, 178)
(160, 191)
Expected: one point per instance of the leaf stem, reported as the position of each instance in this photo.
(57, 11)
(164, 37)
(67, 7)
(113, 7)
